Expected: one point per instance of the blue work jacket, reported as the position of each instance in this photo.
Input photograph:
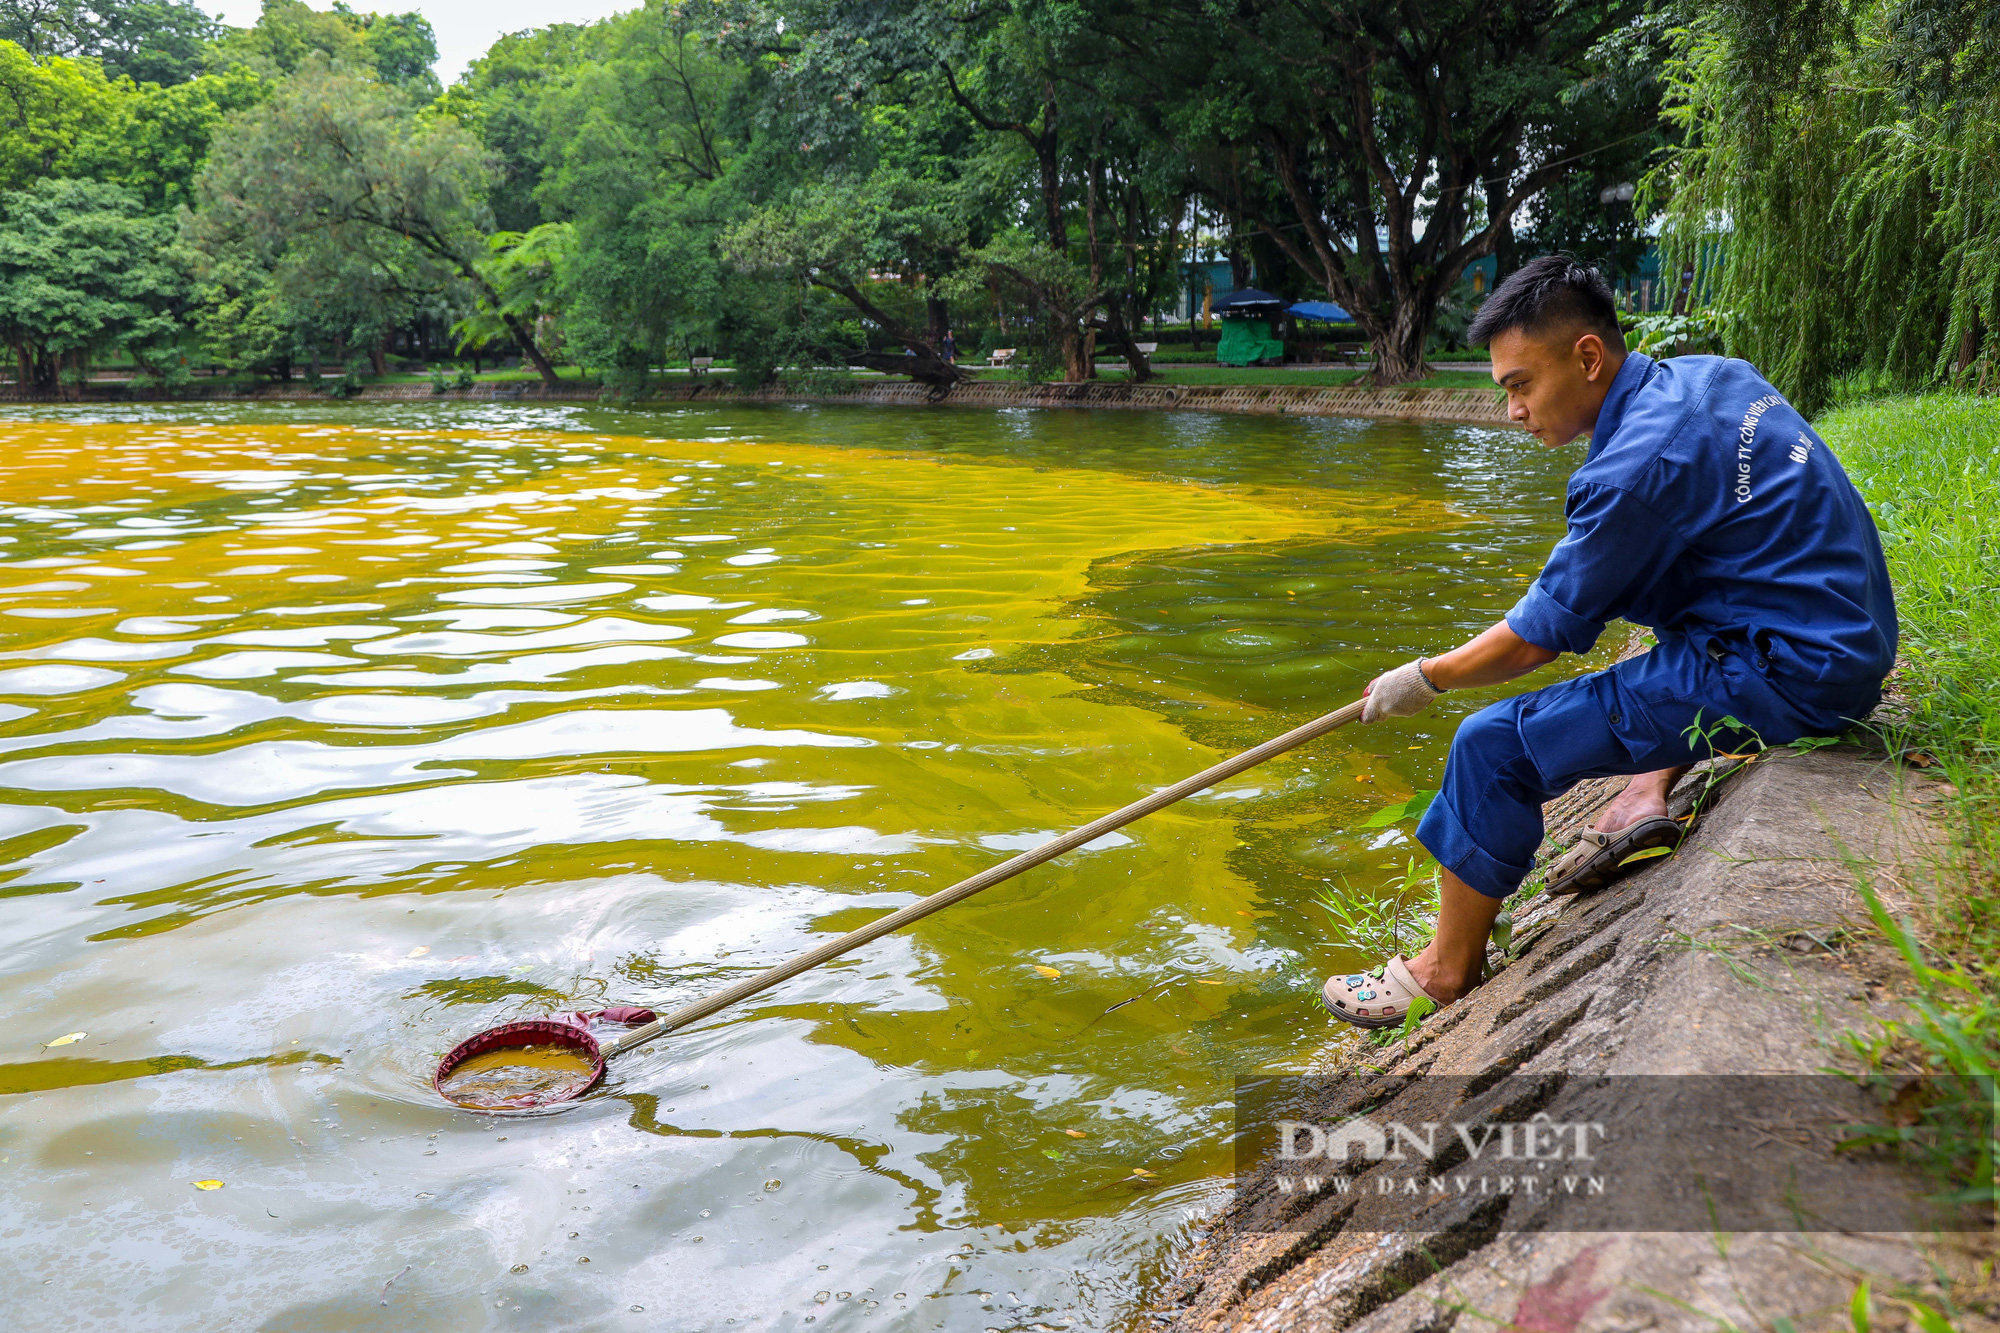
(1707, 507)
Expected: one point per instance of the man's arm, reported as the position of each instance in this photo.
(1498, 654)
(1495, 656)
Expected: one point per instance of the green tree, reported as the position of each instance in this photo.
(342, 191)
(642, 134)
(83, 271)
(836, 235)
(154, 139)
(1833, 198)
(1028, 116)
(148, 41)
(523, 274)
(399, 48)
(1381, 149)
(516, 98)
(46, 107)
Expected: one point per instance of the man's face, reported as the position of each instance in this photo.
(1555, 381)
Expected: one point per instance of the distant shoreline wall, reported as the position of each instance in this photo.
(1475, 406)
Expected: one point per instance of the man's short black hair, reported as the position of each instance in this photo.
(1546, 294)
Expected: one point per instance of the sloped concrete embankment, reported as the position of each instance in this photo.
(1746, 953)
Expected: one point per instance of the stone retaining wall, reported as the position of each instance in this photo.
(1478, 406)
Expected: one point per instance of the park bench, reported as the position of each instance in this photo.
(1348, 353)
(1001, 356)
(700, 364)
(1147, 349)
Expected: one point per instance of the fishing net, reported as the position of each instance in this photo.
(538, 1062)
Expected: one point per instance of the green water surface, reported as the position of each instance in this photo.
(334, 734)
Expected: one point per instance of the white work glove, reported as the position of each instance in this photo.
(1404, 692)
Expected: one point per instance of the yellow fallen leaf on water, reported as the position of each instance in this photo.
(1206, 982)
(1141, 1171)
(64, 1041)
(419, 951)
(1076, 1133)
(208, 1184)
(1047, 971)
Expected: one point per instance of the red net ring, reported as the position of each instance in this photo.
(530, 1032)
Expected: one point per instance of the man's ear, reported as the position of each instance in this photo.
(1591, 356)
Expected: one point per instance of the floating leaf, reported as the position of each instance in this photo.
(1047, 971)
(1206, 982)
(1076, 1133)
(66, 1040)
(1141, 1171)
(208, 1184)
(1410, 809)
(419, 951)
(1647, 855)
(1054, 1154)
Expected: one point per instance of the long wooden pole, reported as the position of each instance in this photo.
(985, 879)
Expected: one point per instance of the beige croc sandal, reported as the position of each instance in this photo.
(1377, 1000)
(1599, 858)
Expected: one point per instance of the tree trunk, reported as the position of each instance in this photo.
(1239, 269)
(378, 358)
(925, 366)
(1506, 252)
(530, 350)
(1399, 345)
(938, 316)
(312, 365)
(1075, 355)
(1138, 368)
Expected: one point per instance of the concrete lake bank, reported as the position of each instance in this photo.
(1748, 953)
(1471, 406)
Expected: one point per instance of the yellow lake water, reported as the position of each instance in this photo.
(330, 735)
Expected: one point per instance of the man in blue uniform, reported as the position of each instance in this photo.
(1706, 510)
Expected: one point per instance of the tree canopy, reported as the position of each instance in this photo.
(83, 269)
(794, 185)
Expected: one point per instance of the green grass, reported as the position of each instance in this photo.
(1930, 469)
(525, 375)
(1331, 378)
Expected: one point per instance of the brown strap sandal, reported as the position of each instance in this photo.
(1597, 858)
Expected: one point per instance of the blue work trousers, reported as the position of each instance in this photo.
(1511, 757)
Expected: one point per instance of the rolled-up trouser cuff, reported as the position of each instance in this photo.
(1444, 837)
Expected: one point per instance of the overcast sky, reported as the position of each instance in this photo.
(465, 28)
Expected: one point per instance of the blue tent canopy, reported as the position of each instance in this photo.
(1324, 311)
